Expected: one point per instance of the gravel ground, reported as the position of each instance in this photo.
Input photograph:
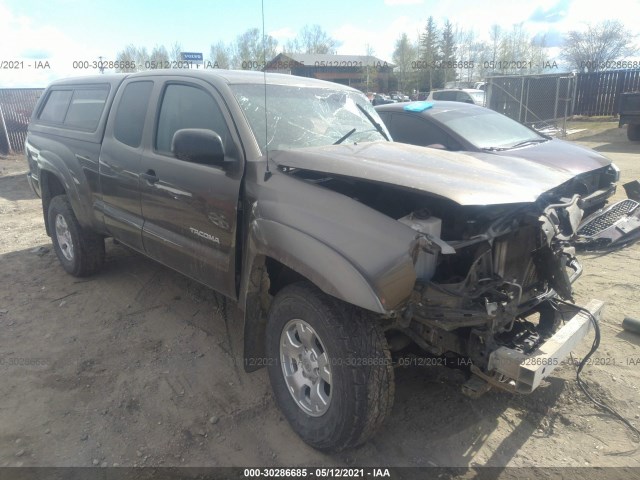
(142, 366)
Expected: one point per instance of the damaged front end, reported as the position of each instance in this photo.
(493, 253)
(490, 303)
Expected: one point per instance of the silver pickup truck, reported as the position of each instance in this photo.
(344, 250)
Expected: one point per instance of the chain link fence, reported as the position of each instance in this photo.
(16, 105)
(544, 102)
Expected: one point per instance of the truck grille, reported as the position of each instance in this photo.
(607, 218)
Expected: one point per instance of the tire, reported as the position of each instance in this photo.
(80, 252)
(353, 346)
(633, 132)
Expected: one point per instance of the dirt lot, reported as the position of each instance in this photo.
(140, 366)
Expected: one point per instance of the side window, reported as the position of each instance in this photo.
(414, 130)
(86, 108)
(417, 131)
(464, 97)
(185, 106)
(55, 108)
(131, 112)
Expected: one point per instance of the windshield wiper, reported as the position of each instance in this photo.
(344, 137)
(373, 122)
(495, 149)
(519, 144)
(528, 142)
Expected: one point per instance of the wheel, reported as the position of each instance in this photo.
(633, 131)
(329, 366)
(80, 252)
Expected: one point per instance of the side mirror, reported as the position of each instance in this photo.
(198, 145)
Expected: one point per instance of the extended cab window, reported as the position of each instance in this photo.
(78, 108)
(184, 106)
(86, 108)
(55, 108)
(130, 113)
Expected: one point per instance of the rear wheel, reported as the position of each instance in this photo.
(80, 252)
(330, 368)
(633, 132)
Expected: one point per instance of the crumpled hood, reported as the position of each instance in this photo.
(465, 178)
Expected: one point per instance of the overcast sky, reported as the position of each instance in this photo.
(61, 31)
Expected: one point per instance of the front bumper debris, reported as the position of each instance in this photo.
(522, 373)
(614, 226)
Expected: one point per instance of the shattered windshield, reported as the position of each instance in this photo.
(299, 117)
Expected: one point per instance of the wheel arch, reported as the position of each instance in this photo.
(281, 255)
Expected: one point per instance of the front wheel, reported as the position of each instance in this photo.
(330, 368)
(633, 131)
(80, 252)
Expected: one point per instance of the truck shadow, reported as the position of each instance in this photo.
(15, 187)
(434, 424)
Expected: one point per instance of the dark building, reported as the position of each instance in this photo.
(364, 72)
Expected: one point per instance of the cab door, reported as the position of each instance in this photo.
(120, 158)
(189, 209)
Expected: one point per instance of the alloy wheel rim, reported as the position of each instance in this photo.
(64, 237)
(306, 367)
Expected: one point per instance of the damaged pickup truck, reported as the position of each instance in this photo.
(342, 249)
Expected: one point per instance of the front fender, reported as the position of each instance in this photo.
(319, 263)
(314, 260)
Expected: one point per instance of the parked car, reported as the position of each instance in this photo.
(342, 249)
(466, 95)
(459, 127)
(399, 97)
(381, 99)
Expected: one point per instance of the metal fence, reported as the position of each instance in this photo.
(598, 93)
(16, 105)
(547, 101)
(541, 101)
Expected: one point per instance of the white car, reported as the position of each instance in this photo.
(467, 95)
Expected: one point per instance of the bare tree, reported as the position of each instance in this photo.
(175, 53)
(314, 39)
(292, 46)
(370, 69)
(251, 53)
(591, 50)
(404, 57)
(127, 59)
(221, 56)
(142, 58)
(465, 44)
(495, 35)
(159, 57)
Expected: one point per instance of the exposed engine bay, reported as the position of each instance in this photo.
(486, 275)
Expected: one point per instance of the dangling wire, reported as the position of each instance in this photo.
(580, 381)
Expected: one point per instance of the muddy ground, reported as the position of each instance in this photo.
(140, 366)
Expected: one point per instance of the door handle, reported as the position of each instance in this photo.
(150, 177)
